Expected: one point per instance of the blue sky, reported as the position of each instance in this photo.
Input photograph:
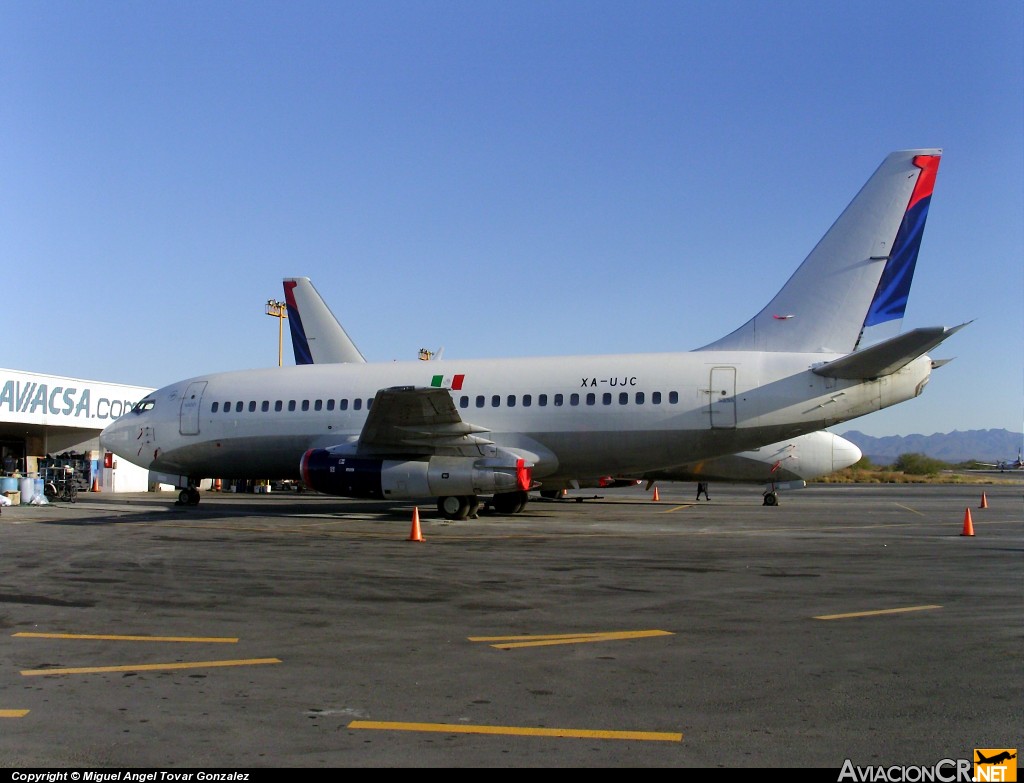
(497, 178)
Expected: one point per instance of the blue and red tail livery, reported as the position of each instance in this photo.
(299, 343)
(890, 300)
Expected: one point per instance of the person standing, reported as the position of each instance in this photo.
(702, 489)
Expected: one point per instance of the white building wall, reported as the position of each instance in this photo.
(61, 414)
(49, 400)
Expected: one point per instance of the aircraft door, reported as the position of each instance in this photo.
(189, 422)
(722, 397)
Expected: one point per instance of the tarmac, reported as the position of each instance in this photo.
(861, 624)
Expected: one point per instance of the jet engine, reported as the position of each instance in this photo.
(405, 479)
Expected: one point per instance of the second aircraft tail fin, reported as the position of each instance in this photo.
(317, 337)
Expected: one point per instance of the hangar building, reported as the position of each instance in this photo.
(49, 423)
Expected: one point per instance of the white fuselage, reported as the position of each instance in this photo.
(571, 417)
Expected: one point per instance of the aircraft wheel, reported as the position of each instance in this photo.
(510, 502)
(183, 497)
(771, 499)
(453, 506)
(193, 496)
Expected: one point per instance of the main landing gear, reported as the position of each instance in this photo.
(188, 497)
(468, 506)
(459, 506)
(771, 498)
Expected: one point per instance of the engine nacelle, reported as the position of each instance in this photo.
(379, 479)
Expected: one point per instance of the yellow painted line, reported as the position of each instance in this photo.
(908, 508)
(677, 508)
(543, 640)
(146, 667)
(113, 638)
(877, 612)
(524, 731)
(13, 713)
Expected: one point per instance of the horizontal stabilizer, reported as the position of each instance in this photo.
(887, 357)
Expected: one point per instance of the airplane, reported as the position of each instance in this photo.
(455, 430)
(996, 759)
(1010, 464)
(780, 466)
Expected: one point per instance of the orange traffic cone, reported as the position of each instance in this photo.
(656, 497)
(984, 501)
(416, 534)
(968, 524)
(217, 485)
(95, 485)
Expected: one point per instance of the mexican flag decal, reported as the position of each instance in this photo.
(453, 382)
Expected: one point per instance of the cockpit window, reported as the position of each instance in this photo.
(143, 405)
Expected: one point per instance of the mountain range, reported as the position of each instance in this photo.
(953, 447)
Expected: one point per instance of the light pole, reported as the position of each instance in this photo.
(280, 311)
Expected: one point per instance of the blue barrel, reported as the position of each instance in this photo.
(8, 484)
(27, 487)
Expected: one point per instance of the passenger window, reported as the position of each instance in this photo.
(591, 398)
(265, 406)
(343, 405)
(227, 407)
(463, 401)
(252, 406)
(278, 406)
(318, 405)
(480, 401)
(527, 400)
(305, 405)
(673, 397)
(369, 403)
(639, 398)
(606, 398)
(495, 401)
(213, 408)
(558, 400)
(238, 407)
(574, 399)
(357, 404)
(511, 400)
(291, 405)
(330, 404)
(542, 400)
(656, 398)
(623, 398)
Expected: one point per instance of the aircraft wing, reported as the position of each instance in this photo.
(889, 356)
(420, 420)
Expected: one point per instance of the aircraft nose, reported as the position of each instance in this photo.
(844, 453)
(112, 437)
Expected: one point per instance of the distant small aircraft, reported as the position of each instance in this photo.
(1010, 464)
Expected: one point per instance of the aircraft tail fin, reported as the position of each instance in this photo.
(317, 337)
(857, 278)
